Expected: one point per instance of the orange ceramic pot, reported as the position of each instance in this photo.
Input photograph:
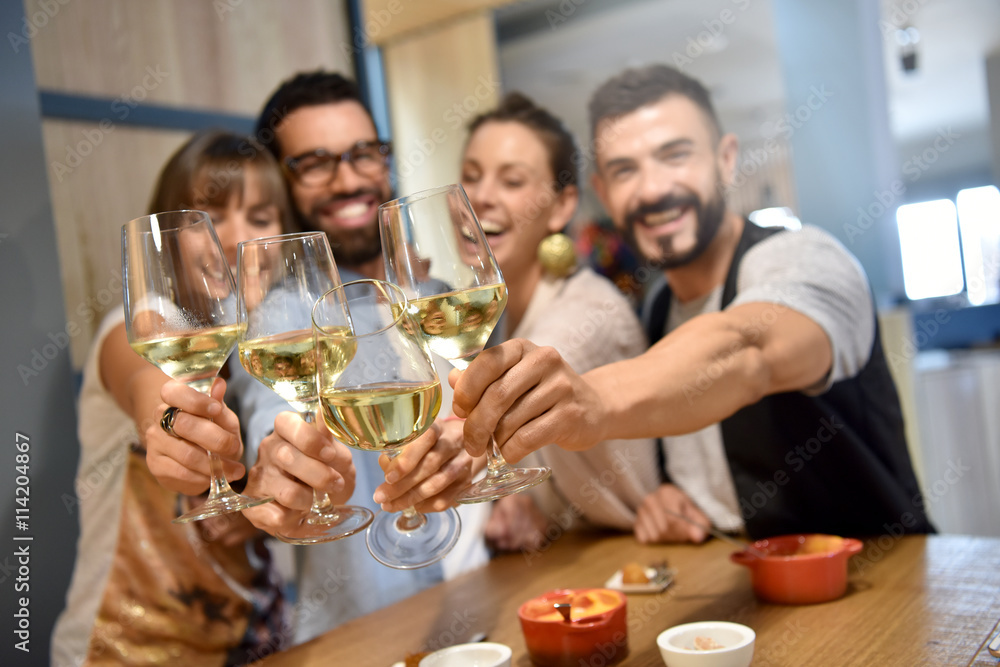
(799, 569)
(597, 627)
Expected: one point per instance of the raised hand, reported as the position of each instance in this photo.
(430, 472)
(526, 397)
(204, 422)
(294, 459)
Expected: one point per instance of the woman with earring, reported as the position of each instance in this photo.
(519, 172)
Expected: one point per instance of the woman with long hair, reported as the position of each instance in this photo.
(146, 590)
(519, 169)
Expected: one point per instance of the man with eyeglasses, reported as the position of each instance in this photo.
(336, 167)
(337, 172)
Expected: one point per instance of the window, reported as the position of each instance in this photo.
(779, 216)
(948, 248)
(932, 259)
(979, 222)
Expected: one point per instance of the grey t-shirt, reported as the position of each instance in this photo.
(810, 272)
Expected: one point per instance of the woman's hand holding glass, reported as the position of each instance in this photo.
(180, 315)
(204, 423)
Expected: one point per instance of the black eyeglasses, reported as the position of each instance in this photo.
(368, 158)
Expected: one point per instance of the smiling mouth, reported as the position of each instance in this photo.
(491, 228)
(351, 210)
(662, 217)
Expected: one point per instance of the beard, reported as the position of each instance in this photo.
(708, 220)
(356, 246)
(351, 247)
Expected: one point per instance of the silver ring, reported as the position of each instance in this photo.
(167, 420)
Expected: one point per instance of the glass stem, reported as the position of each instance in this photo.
(409, 519)
(322, 506)
(496, 466)
(219, 485)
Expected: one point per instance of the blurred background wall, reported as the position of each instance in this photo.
(846, 111)
(196, 63)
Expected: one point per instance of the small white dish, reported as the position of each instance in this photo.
(658, 581)
(676, 645)
(477, 654)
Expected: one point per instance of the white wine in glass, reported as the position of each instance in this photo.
(384, 398)
(279, 279)
(436, 251)
(456, 325)
(180, 315)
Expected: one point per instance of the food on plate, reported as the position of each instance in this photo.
(706, 644)
(634, 573)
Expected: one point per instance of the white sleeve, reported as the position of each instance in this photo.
(810, 272)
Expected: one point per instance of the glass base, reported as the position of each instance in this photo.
(224, 503)
(337, 523)
(406, 542)
(514, 480)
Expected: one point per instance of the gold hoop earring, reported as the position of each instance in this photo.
(557, 255)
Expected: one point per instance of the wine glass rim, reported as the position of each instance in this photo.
(203, 216)
(395, 321)
(280, 238)
(423, 194)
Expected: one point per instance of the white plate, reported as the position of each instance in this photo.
(654, 585)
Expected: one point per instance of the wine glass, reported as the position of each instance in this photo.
(384, 396)
(436, 251)
(279, 279)
(180, 315)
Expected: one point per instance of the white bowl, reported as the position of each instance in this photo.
(478, 654)
(676, 645)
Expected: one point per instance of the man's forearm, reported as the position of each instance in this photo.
(698, 375)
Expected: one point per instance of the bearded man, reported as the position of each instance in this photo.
(766, 377)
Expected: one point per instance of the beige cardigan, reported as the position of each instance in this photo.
(591, 324)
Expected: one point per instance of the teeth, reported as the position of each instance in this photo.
(352, 210)
(663, 217)
(490, 227)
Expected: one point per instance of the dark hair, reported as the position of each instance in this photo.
(303, 90)
(211, 167)
(558, 141)
(635, 88)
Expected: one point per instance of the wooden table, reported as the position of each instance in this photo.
(910, 601)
